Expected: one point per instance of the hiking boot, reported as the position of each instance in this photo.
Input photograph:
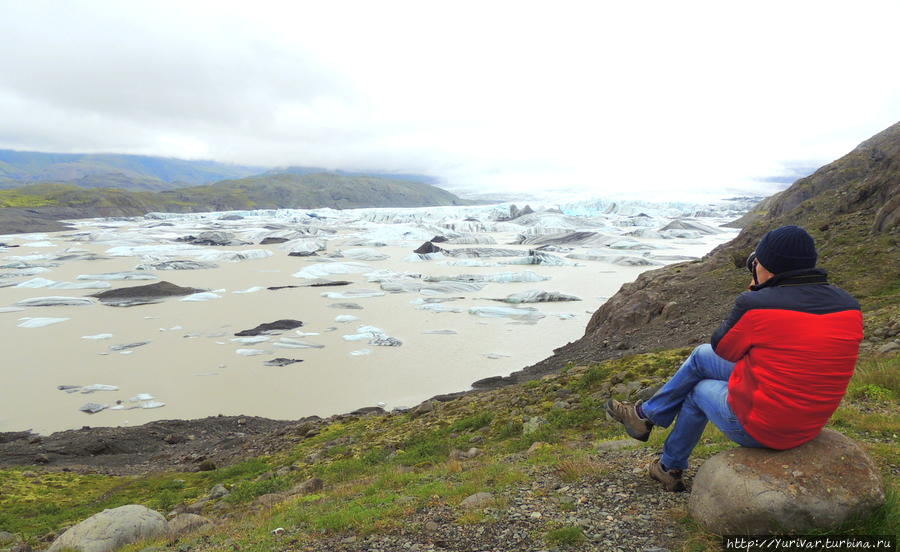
(670, 479)
(626, 414)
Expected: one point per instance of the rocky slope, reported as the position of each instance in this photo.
(850, 206)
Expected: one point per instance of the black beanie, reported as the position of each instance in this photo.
(786, 248)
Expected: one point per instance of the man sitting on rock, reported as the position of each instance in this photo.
(776, 370)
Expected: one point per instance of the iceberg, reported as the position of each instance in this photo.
(202, 296)
(321, 270)
(364, 254)
(45, 283)
(438, 307)
(504, 277)
(250, 340)
(288, 343)
(344, 318)
(253, 289)
(526, 314)
(98, 336)
(55, 301)
(251, 352)
(353, 294)
(118, 276)
(88, 389)
(537, 296)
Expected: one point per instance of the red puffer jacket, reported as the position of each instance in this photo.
(795, 340)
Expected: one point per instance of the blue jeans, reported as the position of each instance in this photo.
(697, 393)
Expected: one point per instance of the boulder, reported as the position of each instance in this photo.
(112, 529)
(477, 500)
(814, 487)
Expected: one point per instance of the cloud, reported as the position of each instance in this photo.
(655, 98)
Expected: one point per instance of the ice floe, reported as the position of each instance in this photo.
(202, 296)
(526, 314)
(344, 318)
(289, 343)
(538, 296)
(251, 352)
(36, 283)
(118, 276)
(321, 270)
(55, 301)
(253, 289)
(352, 294)
(98, 336)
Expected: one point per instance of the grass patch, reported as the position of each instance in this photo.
(570, 535)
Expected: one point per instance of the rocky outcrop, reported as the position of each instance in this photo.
(112, 529)
(814, 487)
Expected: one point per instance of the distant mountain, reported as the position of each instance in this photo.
(104, 170)
(411, 177)
(37, 207)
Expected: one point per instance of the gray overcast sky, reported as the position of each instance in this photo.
(657, 99)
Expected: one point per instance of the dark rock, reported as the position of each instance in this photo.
(174, 438)
(424, 408)
(277, 326)
(303, 254)
(438, 239)
(281, 361)
(206, 465)
(275, 288)
(271, 240)
(366, 410)
(812, 488)
(428, 247)
(487, 383)
(139, 295)
(11, 436)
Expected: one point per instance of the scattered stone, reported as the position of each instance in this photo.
(218, 491)
(7, 538)
(889, 347)
(424, 408)
(477, 500)
(754, 491)
(312, 485)
(112, 529)
(187, 523)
